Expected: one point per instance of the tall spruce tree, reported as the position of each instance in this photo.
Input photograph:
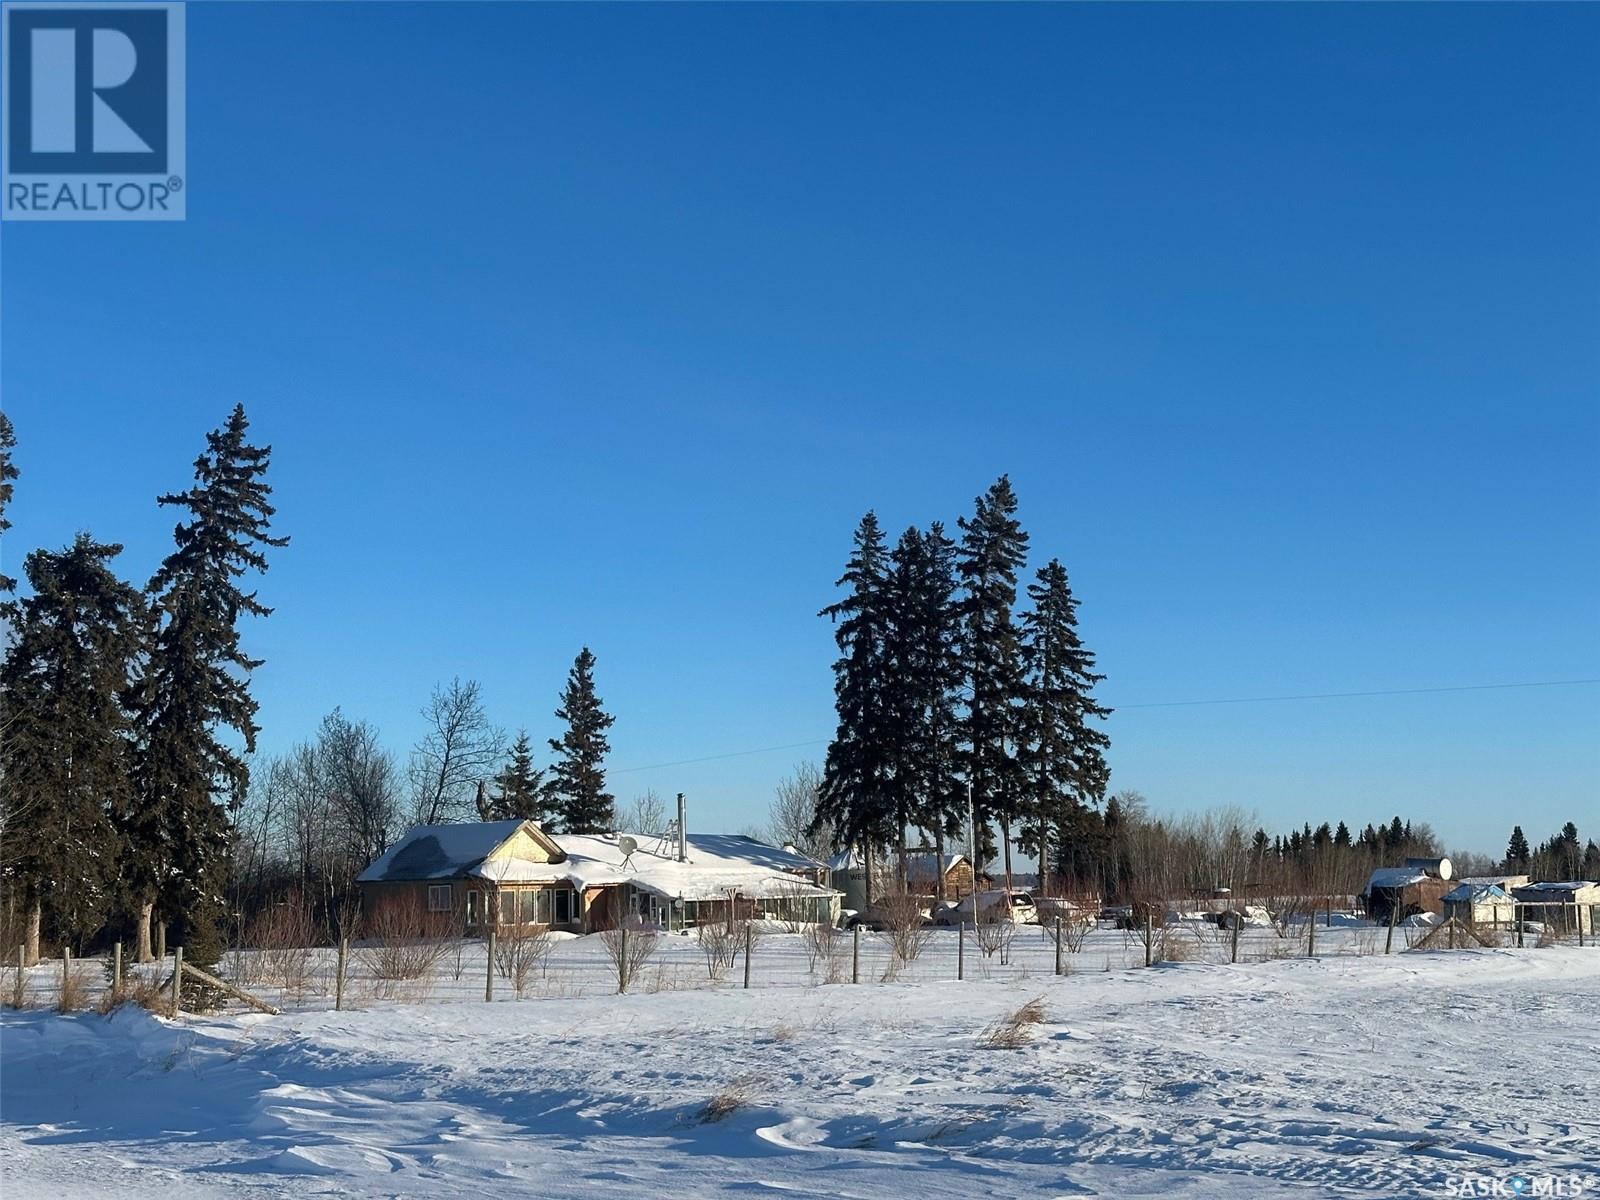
(1518, 851)
(520, 791)
(65, 753)
(993, 549)
(8, 472)
(854, 799)
(1063, 753)
(578, 780)
(195, 689)
(922, 685)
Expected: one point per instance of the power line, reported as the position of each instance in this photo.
(1422, 691)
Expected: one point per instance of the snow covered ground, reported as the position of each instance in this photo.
(1411, 1075)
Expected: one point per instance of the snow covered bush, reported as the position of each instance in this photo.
(905, 927)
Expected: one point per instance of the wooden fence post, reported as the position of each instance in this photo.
(855, 957)
(1518, 923)
(961, 949)
(66, 969)
(1577, 916)
(1311, 936)
(749, 941)
(1394, 919)
(622, 956)
(177, 978)
(22, 970)
(1233, 952)
(488, 971)
(1149, 937)
(1058, 945)
(116, 972)
(338, 975)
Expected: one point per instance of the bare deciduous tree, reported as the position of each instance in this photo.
(645, 813)
(459, 749)
(794, 807)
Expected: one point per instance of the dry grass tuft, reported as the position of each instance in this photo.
(1013, 1032)
(728, 1101)
(73, 994)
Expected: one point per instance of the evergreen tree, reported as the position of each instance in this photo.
(65, 753)
(993, 549)
(195, 689)
(1517, 851)
(8, 472)
(1063, 754)
(578, 779)
(855, 798)
(521, 787)
(1591, 863)
(921, 679)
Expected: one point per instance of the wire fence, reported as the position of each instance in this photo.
(759, 955)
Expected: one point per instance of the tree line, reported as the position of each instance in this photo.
(131, 804)
(950, 699)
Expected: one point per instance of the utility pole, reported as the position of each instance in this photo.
(972, 849)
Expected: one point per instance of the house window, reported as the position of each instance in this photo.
(530, 907)
(439, 898)
(474, 907)
(563, 913)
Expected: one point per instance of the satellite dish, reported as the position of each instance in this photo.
(627, 844)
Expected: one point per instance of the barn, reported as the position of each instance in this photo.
(1408, 890)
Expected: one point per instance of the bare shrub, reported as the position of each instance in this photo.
(1073, 931)
(717, 947)
(1013, 1031)
(629, 946)
(728, 1101)
(1175, 944)
(905, 927)
(826, 948)
(406, 940)
(994, 934)
(519, 950)
(282, 937)
(73, 994)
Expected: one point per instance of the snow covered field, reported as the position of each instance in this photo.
(1413, 1074)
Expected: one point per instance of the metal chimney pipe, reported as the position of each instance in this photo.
(683, 837)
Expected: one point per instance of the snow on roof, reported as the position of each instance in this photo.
(717, 863)
(1475, 892)
(1393, 877)
(919, 863)
(1565, 885)
(439, 851)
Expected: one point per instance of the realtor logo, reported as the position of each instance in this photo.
(93, 122)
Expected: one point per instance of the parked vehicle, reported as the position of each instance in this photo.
(989, 905)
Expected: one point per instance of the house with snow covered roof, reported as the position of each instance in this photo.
(513, 872)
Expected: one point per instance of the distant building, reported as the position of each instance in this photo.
(1568, 906)
(482, 873)
(848, 874)
(1411, 890)
(1478, 904)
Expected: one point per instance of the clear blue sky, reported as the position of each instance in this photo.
(604, 325)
